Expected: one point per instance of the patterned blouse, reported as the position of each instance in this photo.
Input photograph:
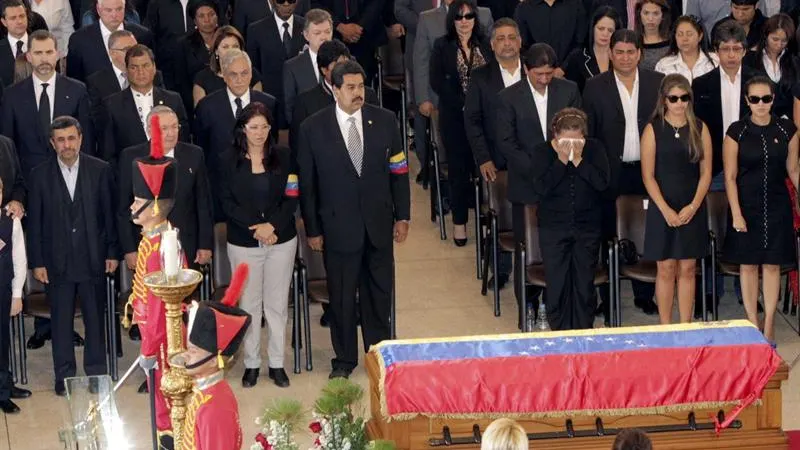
(466, 67)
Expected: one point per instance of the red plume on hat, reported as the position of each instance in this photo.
(237, 284)
(153, 170)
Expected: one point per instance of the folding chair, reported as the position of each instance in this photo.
(313, 279)
(111, 325)
(500, 235)
(392, 77)
(439, 166)
(221, 264)
(481, 193)
(18, 358)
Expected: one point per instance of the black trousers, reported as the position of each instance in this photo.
(460, 164)
(370, 272)
(62, 295)
(6, 379)
(570, 260)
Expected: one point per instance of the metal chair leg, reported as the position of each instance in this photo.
(112, 316)
(393, 306)
(439, 197)
(615, 306)
(522, 282)
(12, 357)
(23, 351)
(703, 288)
(495, 262)
(714, 298)
(478, 225)
(404, 117)
(485, 265)
(296, 319)
(306, 317)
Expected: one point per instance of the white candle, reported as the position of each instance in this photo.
(169, 247)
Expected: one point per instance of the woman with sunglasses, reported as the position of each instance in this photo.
(773, 56)
(758, 153)
(687, 51)
(455, 55)
(594, 59)
(676, 169)
(653, 22)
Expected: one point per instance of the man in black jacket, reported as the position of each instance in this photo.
(15, 44)
(14, 192)
(72, 245)
(301, 73)
(248, 12)
(355, 203)
(168, 20)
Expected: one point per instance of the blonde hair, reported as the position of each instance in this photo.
(695, 126)
(504, 434)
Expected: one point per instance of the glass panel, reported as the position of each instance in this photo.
(94, 422)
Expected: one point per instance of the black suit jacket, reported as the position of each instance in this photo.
(48, 225)
(298, 77)
(444, 78)
(247, 12)
(124, 129)
(88, 54)
(19, 118)
(191, 214)
(11, 173)
(338, 204)
(366, 13)
(708, 107)
(602, 104)
(165, 20)
(518, 130)
(103, 84)
(265, 47)
(6, 62)
(193, 57)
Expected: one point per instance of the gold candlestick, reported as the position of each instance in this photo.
(175, 384)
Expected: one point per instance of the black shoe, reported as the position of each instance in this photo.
(9, 407)
(340, 373)
(36, 341)
(460, 242)
(77, 340)
(61, 390)
(324, 320)
(502, 279)
(263, 321)
(17, 392)
(166, 442)
(250, 377)
(143, 388)
(134, 333)
(279, 377)
(647, 305)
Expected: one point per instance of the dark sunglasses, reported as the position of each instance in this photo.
(674, 98)
(754, 99)
(467, 16)
(283, 2)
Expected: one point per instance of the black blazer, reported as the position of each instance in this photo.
(243, 210)
(48, 226)
(298, 77)
(6, 63)
(104, 83)
(338, 204)
(11, 173)
(247, 12)
(444, 74)
(165, 20)
(784, 99)
(581, 65)
(87, 52)
(19, 111)
(519, 131)
(367, 13)
(602, 104)
(193, 57)
(265, 47)
(191, 214)
(708, 107)
(124, 129)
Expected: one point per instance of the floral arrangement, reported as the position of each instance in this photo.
(278, 423)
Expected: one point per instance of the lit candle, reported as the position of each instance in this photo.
(169, 247)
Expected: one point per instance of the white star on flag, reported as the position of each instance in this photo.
(568, 340)
(629, 342)
(536, 347)
(589, 339)
(549, 343)
(610, 339)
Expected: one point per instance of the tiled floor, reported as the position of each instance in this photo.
(438, 295)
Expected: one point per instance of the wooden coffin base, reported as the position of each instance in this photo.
(760, 426)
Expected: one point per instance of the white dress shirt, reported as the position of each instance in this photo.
(170, 154)
(630, 106)
(122, 78)
(731, 97)
(280, 23)
(674, 64)
(51, 91)
(510, 78)
(144, 103)
(773, 70)
(70, 175)
(344, 125)
(541, 107)
(19, 258)
(232, 100)
(12, 41)
(313, 56)
(58, 16)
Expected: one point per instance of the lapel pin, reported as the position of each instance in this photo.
(66, 96)
(369, 122)
(776, 140)
(190, 170)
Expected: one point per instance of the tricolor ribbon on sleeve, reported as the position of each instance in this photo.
(292, 187)
(398, 164)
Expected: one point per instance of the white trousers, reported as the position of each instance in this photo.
(266, 291)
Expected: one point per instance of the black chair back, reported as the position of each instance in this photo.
(221, 266)
(533, 251)
(315, 264)
(717, 204)
(497, 200)
(631, 219)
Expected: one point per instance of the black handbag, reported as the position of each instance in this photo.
(627, 252)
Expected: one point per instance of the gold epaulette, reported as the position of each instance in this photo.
(139, 290)
(198, 399)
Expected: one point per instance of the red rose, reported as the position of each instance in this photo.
(315, 427)
(261, 439)
(317, 443)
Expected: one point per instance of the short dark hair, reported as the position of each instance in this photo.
(540, 55)
(346, 68)
(117, 35)
(64, 122)
(11, 4)
(137, 51)
(729, 30)
(330, 52)
(632, 439)
(759, 79)
(503, 22)
(41, 35)
(194, 5)
(744, 2)
(626, 36)
(220, 35)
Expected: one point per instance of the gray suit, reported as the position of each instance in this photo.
(298, 77)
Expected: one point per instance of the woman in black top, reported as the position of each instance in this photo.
(196, 46)
(584, 63)
(454, 57)
(759, 152)
(570, 174)
(774, 56)
(259, 196)
(676, 170)
(209, 79)
(653, 22)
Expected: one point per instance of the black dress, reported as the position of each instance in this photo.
(763, 196)
(677, 177)
(211, 82)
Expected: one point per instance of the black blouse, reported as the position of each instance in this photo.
(211, 82)
(570, 196)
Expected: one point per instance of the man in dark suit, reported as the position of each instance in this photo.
(88, 47)
(72, 245)
(14, 45)
(356, 200)
(215, 115)
(619, 104)
(301, 73)
(248, 12)
(191, 214)
(14, 193)
(168, 20)
(270, 42)
(126, 111)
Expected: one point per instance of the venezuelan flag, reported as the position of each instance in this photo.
(398, 164)
(292, 188)
(611, 371)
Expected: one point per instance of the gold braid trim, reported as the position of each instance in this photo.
(139, 290)
(198, 399)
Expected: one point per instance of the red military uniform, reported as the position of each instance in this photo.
(212, 417)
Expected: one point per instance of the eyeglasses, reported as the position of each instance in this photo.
(283, 2)
(467, 16)
(732, 50)
(754, 99)
(683, 98)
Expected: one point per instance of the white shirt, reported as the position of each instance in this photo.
(674, 64)
(70, 175)
(630, 106)
(106, 33)
(232, 100)
(144, 103)
(313, 56)
(58, 16)
(731, 93)
(20, 259)
(510, 78)
(51, 91)
(122, 77)
(12, 41)
(344, 125)
(773, 70)
(770, 7)
(170, 154)
(280, 23)
(541, 107)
